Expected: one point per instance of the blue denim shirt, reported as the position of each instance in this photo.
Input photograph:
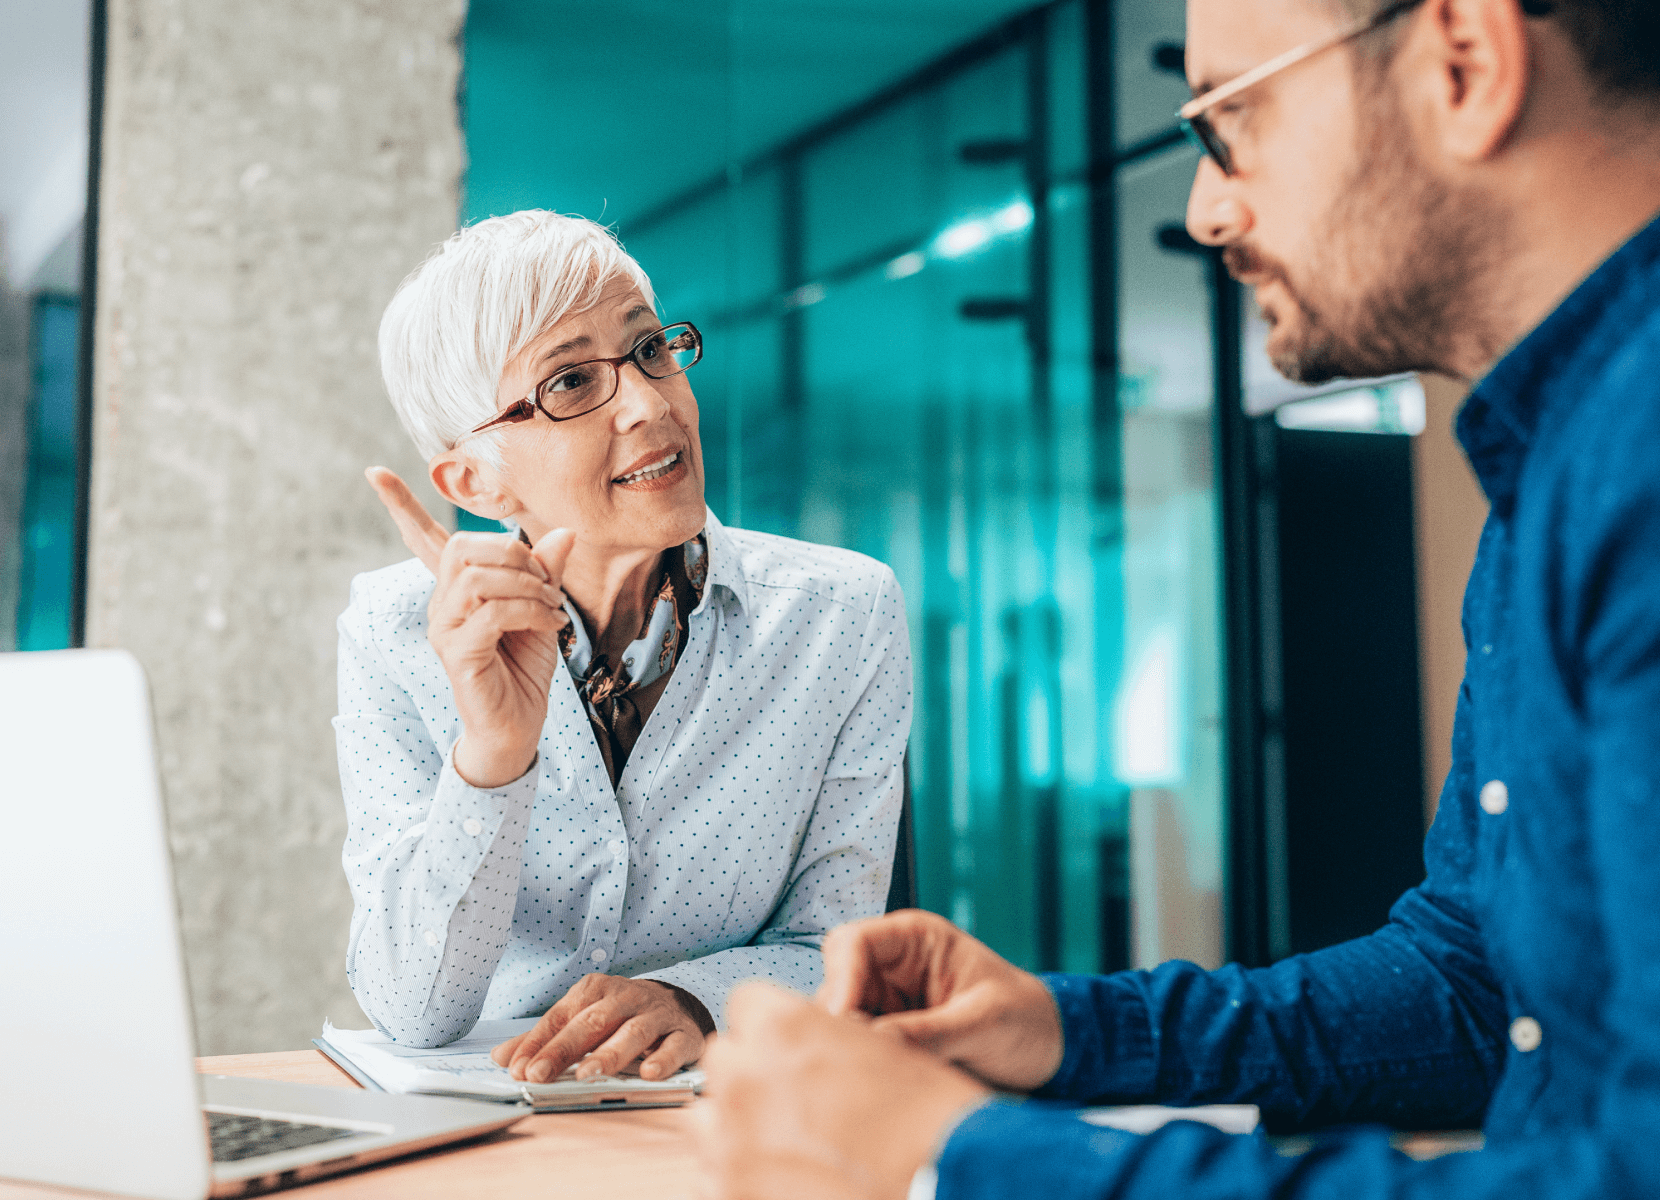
(1519, 987)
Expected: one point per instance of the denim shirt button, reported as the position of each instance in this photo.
(1495, 798)
(1525, 1034)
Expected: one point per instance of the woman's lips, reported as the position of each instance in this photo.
(655, 476)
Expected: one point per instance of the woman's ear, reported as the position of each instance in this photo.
(465, 484)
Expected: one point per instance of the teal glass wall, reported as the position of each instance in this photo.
(46, 541)
(922, 245)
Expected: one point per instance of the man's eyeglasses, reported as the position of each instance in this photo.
(578, 389)
(1194, 115)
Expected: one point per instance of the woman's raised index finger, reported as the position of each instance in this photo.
(424, 536)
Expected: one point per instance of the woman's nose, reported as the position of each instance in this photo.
(638, 402)
(1216, 215)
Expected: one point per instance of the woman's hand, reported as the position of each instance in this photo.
(613, 1020)
(494, 620)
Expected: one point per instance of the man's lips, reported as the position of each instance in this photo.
(1250, 268)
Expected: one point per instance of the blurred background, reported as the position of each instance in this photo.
(1186, 636)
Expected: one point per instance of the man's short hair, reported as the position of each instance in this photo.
(478, 300)
(1618, 40)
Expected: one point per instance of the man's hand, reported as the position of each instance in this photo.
(613, 1020)
(805, 1105)
(494, 620)
(919, 975)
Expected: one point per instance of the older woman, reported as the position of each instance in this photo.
(608, 768)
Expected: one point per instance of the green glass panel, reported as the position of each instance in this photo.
(47, 536)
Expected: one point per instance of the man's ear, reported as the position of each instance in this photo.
(466, 485)
(1483, 58)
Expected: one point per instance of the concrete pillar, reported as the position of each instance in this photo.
(271, 169)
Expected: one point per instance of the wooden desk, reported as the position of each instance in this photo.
(619, 1156)
(564, 1156)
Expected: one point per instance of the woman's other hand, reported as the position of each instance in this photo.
(613, 1020)
(494, 620)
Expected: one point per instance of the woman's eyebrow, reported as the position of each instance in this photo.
(575, 343)
(584, 341)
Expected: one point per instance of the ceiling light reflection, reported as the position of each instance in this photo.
(965, 237)
(905, 265)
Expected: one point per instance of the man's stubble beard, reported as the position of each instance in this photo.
(1394, 280)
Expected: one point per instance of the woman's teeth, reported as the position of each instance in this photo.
(655, 471)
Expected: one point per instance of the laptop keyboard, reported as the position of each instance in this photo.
(236, 1137)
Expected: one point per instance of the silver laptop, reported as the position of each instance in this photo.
(97, 1084)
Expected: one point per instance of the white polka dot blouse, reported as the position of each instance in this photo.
(757, 811)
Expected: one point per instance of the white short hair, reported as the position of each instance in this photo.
(478, 300)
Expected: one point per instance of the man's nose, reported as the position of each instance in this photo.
(1215, 214)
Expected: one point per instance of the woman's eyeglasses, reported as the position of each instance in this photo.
(1194, 115)
(578, 389)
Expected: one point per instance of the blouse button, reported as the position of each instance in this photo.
(599, 955)
(431, 938)
(1525, 1034)
(1495, 798)
(472, 827)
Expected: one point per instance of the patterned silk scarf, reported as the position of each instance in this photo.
(607, 689)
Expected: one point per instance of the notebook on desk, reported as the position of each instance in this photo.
(464, 1068)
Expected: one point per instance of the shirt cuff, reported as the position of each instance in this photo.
(529, 776)
(926, 1180)
(1012, 1148)
(1109, 1051)
(709, 985)
(472, 815)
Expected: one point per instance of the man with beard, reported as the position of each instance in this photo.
(1465, 186)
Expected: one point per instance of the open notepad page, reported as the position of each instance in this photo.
(464, 1068)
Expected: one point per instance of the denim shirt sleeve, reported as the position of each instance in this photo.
(1368, 1031)
(1401, 1027)
(1108, 1048)
(1011, 1152)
